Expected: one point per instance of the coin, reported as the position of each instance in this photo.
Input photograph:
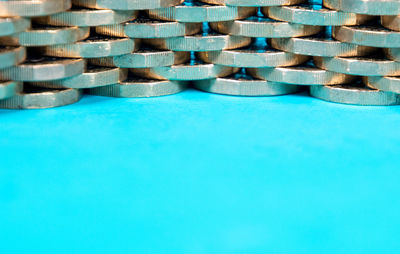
(187, 72)
(37, 68)
(29, 8)
(10, 56)
(393, 53)
(356, 95)
(260, 27)
(370, 7)
(135, 87)
(199, 42)
(373, 36)
(92, 47)
(87, 17)
(12, 25)
(35, 98)
(126, 4)
(387, 84)
(391, 22)
(300, 75)
(144, 58)
(147, 28)
(243, 85)
(360, 66)
(255, 3)
(44, 35)
(94, 76)
(9, 88)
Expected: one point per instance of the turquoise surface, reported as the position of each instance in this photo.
(200, 173)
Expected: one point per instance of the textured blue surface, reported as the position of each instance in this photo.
(200, 173)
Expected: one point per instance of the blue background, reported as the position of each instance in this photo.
(200, 173)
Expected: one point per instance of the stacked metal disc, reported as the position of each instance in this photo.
(52, 51)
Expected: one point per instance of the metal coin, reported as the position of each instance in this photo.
(355, 95)
(9, 88)
(87, 17)
(43, 36)
(370, 7)
(36, 97)
(391, 22)
(145, 58)
(12, 25)
(29, 8)
(244, 86)
(92, 47)
(126, 4)
(360, 66)
(43, 68)
(94, 76)
(135, 87)
(393, 53)
(10, 56)
(147, 28)
(255, 3)
(387, 84)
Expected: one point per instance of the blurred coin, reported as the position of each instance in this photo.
(370, 7)
(37, 68)
(187, 72)
(199, 42)
(135, 87)
(243, 85)
(300, 75)
(372, 36)
(12, 25)
(87, 17)
(94, 76)
(35, 97)
(46, 35)
(198, 13)
(147, 28)
(391, 22)
(356, 95)
(9, 88)
(260, 27)
(92, 47)
(144, 58)
(360, 66)
(126, 4)
(30, 8)
(10, 56)
(387, 84)
(308, 15)
(255, 3)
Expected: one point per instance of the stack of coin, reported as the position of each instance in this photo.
(51, 51)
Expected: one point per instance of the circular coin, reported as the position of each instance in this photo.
(9, 88)
(29, 8)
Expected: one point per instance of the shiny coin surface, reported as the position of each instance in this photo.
(87, 17)
(260, 27)
(199, 13)
(199, 42)
(43, 68)
(30, 8)
(372, 36)
(387, 84)
(356, 95)
(43, 35)
(12, 25)
(94, 76)
(92, 47)
(319, 46)
(359, 66)
(307, 15)
(185, 72)
(144, 58)
(126, 4)
(10, 56)
(393, 53)
(147, 28)
(300, 75)
(244, 86)
(9, 88)
(391, 22)
(35, 98)
(250, 58)
(370, 7)
(135, 87)
(255, 3)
